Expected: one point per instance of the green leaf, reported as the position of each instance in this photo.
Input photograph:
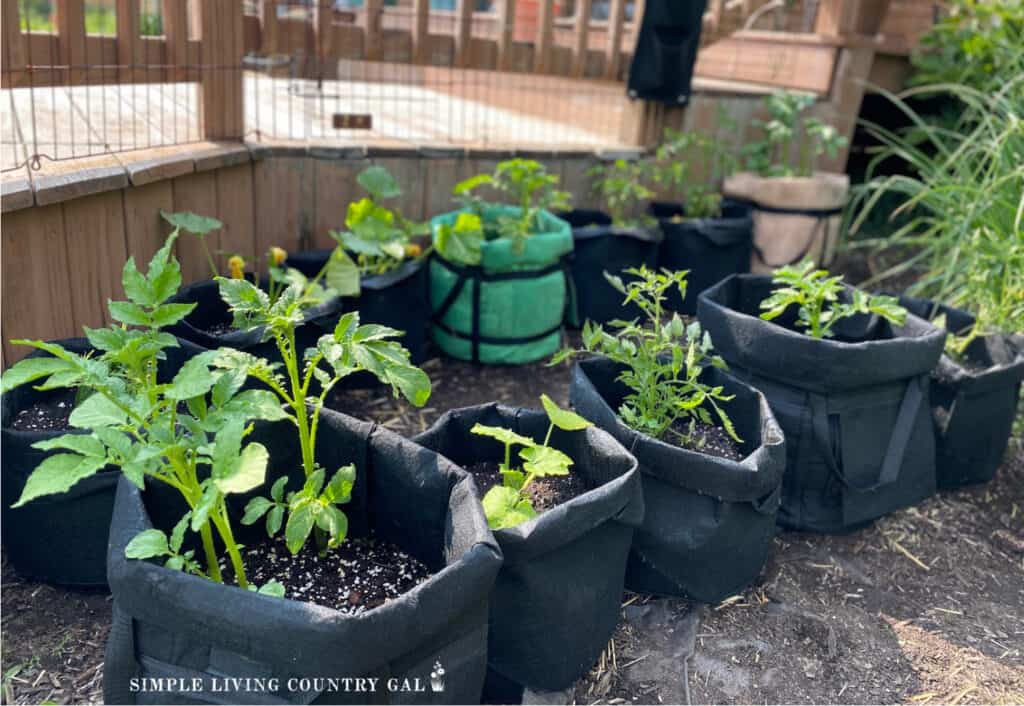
(247, 471)
(58, 474)
(277, 490)
(128, 313)
(255, 509)
(29, 369)
(505, 436)
(147, 544)
(545, 461)
(342, 275)
(461, 243)
(467, 185)
(339, 490)
(334, 522)
(107, 339)
(191, 222)
(97, 411)
(170, 314)
(274, 520)
(413, 383)
(207, 502)
(513, 479)
(273, 587)
(136, 286)
(79, 443)
(300, 524)
(379, 182)
(193, 379)
(562, 418)
(178, 533)
(229, 382)
(504, 508)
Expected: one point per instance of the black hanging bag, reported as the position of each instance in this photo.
(973, 405)
(666, 50)
(556, 601)
(708, 522)
(855, 409)
(62, 538)
(600, 247)
(710, 248)
(170, 624)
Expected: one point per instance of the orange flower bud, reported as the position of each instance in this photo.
(236, 264)
(278, 256)
(413, 250)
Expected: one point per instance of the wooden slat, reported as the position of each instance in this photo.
(283, 196)
(145, 231)
(545, 22)
(506, 36)
(36, 293)
(197, 193)
(71, 38)
(371, 28)
(129, 44)
(463, 31)
(268, 16)
(15, 49)
(420, 30)
(408, 172)
(96, 254)
(221, 107)
(613, 52)
(797, 66)
(581, 46)
(235, 210)
(324, 28)
(176, 35)
(441, 174)
(334, 188)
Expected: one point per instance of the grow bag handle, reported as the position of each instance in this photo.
(913, 396)
(768, 504)
(821, 215)
(474, 274)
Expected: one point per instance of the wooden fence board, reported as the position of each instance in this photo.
(283, 193)
(334, 187)
(409, 174)
(145, 231)
(197, 193)
(235, 209)
(96, 255)
(440, 176)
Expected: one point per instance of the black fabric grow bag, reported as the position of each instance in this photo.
(557, 598)
(973, 407)
(708, 522)
(854, 409)
(167, 623)
(212, 311)
(60, 538)
(598, 246)
(710, 248)
(398, 299)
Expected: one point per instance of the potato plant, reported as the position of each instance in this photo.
(772, 156)
(622, 188)
(508, 505)
(188, 434)
(662, 361)
(817, 296)
(349, 349)
(693, 165)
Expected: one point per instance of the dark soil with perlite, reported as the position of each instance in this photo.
(707, 439)
(221, 328)
(544, 493)
(360, 575)
(50, 414)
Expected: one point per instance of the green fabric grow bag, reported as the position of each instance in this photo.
(510, 308)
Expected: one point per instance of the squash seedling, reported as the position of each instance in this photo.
(662, 361)
(817, 296)
(621, 186)
(508, 505)
(527, 184)
(188, 434)
(349, 349)
(380, 238)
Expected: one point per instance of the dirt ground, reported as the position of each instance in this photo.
(925, 606)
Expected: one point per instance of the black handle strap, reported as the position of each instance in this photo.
(910, 404)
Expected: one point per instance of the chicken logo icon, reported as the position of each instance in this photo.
(437, 678)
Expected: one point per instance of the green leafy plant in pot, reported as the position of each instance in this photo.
(499, 281)
(563, 499)
(708, 446)
(702, 233)
(797, 210)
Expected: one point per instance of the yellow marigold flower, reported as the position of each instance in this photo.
(278, 256)
(237, 266)
(413, 250)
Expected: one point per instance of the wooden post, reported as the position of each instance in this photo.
(324, 28)
(420, 31)
(71, 38)
(581, 45)
(371, 29)
(14, 47)
(463, 31)
(542, 47)
(613, 52)
(129, 44)
(221, 105)
(506, 33)
(269, 29)
(176, 34)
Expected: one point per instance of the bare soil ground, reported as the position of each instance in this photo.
(925, 606)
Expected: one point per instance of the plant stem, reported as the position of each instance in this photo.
(209, 257)
(212, 565)
(220, 520)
